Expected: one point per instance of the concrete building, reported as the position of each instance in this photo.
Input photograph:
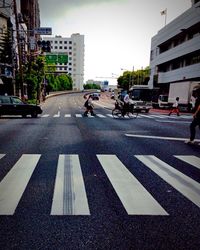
(175, 50)
(74, 47)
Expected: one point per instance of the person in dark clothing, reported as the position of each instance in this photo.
(89, 106)
(196, 118)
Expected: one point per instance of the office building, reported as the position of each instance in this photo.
(175, 50)
(73, 47)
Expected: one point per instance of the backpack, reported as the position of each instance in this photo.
(86, 104)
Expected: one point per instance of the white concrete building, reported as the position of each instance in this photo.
(175, 50)
(74, 47)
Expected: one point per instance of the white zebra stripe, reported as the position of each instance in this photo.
(69, 192)
(2, 155)
(134, 197)
(184, 184)
(14, 183)
(191, 159)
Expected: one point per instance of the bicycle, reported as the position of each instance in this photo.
(118, 111)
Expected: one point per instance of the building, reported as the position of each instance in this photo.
(20, 18)
(74, 48)
(175, 50)
(31, 14)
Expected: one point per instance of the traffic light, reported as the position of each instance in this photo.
(45, 45)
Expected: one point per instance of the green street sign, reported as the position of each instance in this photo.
(56, 58)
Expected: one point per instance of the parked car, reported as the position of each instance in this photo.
(13, 105)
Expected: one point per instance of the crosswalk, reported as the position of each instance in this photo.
(109, 115)
(70, 196)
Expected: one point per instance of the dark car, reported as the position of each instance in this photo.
(13, 105)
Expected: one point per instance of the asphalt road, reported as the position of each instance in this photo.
(74, 182)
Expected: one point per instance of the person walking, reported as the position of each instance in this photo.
(89, 106)
(196, 118)
(175, 108)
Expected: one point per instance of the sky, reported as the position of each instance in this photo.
(117, 32)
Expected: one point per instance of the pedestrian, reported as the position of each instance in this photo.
(196, 117)
(125, 104)
(175, 108)
(89, 106)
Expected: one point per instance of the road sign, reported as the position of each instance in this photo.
(43, 31)
(56, 58)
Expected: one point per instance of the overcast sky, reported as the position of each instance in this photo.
(117, 32)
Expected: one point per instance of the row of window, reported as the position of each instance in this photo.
(61, 42)
(184, 36)
(61, 47)
(185, 61)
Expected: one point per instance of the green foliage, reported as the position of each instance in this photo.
(33, 76)
(59, 82)
(130, 78)
(91, 86)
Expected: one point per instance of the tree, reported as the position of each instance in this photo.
(59, 82)
(64, 82)
(33, 76)
(91, 86)
(130, 78)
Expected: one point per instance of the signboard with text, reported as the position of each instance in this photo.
(43, 31)
(56, 58)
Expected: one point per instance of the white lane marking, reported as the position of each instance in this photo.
(46, 115)
(57, 115)
(158, 116)
(184, 184)
(78, 115)
(160, 137)
(14, 183)
(147, 116)
(2, 155)
(109, 115)
(69, 193)
(101, 116)
(167, 121)
(134, 197)
(191, 159)
(68, 115)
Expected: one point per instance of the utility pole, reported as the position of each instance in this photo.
(19, 51)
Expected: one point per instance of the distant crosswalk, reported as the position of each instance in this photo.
(109, 115)
(70, 196)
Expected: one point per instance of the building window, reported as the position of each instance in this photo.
(65, 47)
(70, 42)
(56, 47)
(60, 47)
(65, 42)
(60, 42)
(70, 47)
(56, 41)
